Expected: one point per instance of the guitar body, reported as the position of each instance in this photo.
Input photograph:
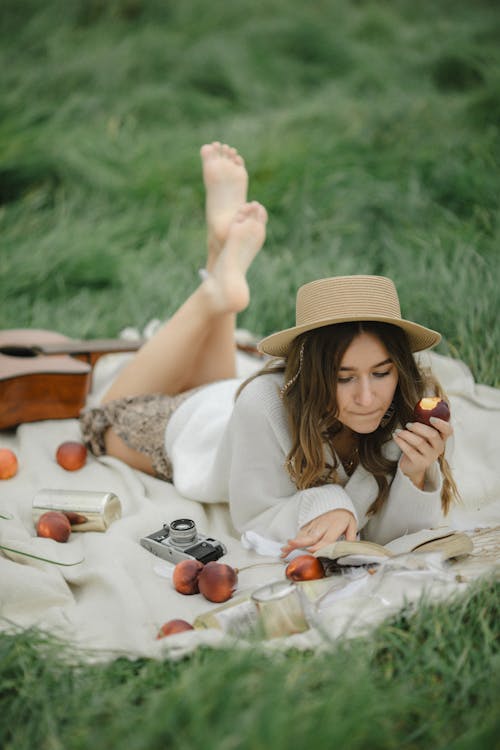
(36, 396)
(37, 384)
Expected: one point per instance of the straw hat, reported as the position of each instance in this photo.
(343, 299)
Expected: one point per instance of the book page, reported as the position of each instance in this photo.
(409, 542)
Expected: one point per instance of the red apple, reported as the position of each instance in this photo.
(431, 407)
(172, 627)
(54, 525)
(8, 463)
(217, 581)
(304, 568)
(71, 455)
(185, 577)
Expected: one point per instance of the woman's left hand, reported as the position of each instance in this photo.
(421, 446)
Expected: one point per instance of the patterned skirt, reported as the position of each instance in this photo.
(140, 421)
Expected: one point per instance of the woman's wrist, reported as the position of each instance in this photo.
(418, 479)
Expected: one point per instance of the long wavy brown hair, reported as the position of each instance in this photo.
(311, 405)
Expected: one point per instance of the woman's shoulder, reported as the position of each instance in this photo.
(268, 383)
(259, 409)
(262, 393)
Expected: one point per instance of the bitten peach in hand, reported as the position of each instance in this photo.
(304, 568)
(71, 455)
(54, 525)
(8, 463)
(431, 407)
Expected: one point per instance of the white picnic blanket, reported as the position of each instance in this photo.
(114, 601)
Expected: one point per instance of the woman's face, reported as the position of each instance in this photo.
(366, 383)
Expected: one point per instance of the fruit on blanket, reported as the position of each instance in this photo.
(71, 455)
(8, 463)
(217, 581)
(304, 568)
(172, 627)
(431, 407)
(54, 525)
(185, 576)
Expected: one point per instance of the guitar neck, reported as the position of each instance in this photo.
(98, 347)
(93, 346)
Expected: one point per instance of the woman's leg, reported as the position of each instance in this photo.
(169, 362)
(226, 183)
(196, 345)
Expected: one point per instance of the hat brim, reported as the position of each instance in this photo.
(419, 337)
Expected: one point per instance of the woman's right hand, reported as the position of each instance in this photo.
(323, 530)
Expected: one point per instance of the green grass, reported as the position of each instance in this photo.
(370, 130)
(428, 679)
(371, 133)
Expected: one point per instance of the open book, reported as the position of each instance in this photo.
(444, 540)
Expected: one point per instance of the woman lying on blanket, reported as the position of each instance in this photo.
(320, 444)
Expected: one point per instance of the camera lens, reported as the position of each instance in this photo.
(182, 531)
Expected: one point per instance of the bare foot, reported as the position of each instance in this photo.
(227, 284)
(226, 183)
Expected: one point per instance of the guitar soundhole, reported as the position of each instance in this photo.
(18, 351)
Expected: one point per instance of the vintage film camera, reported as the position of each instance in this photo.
(180, 540)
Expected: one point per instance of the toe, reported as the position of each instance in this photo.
(243, 212)
(262, 213)
(208, 151)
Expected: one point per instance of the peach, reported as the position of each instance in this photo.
(185, 577)
(8, 463)
(304, 568)
(431, 407)
(54, 525)
(172, 627)
(71, 455)
(217, 581)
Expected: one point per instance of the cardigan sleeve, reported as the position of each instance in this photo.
(407, 508)
(262, 496)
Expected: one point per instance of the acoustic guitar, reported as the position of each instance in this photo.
(46, 375)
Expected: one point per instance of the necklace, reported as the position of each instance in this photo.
(347, 454)
(351, 461)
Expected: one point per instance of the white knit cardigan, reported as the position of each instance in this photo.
(224, 450)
